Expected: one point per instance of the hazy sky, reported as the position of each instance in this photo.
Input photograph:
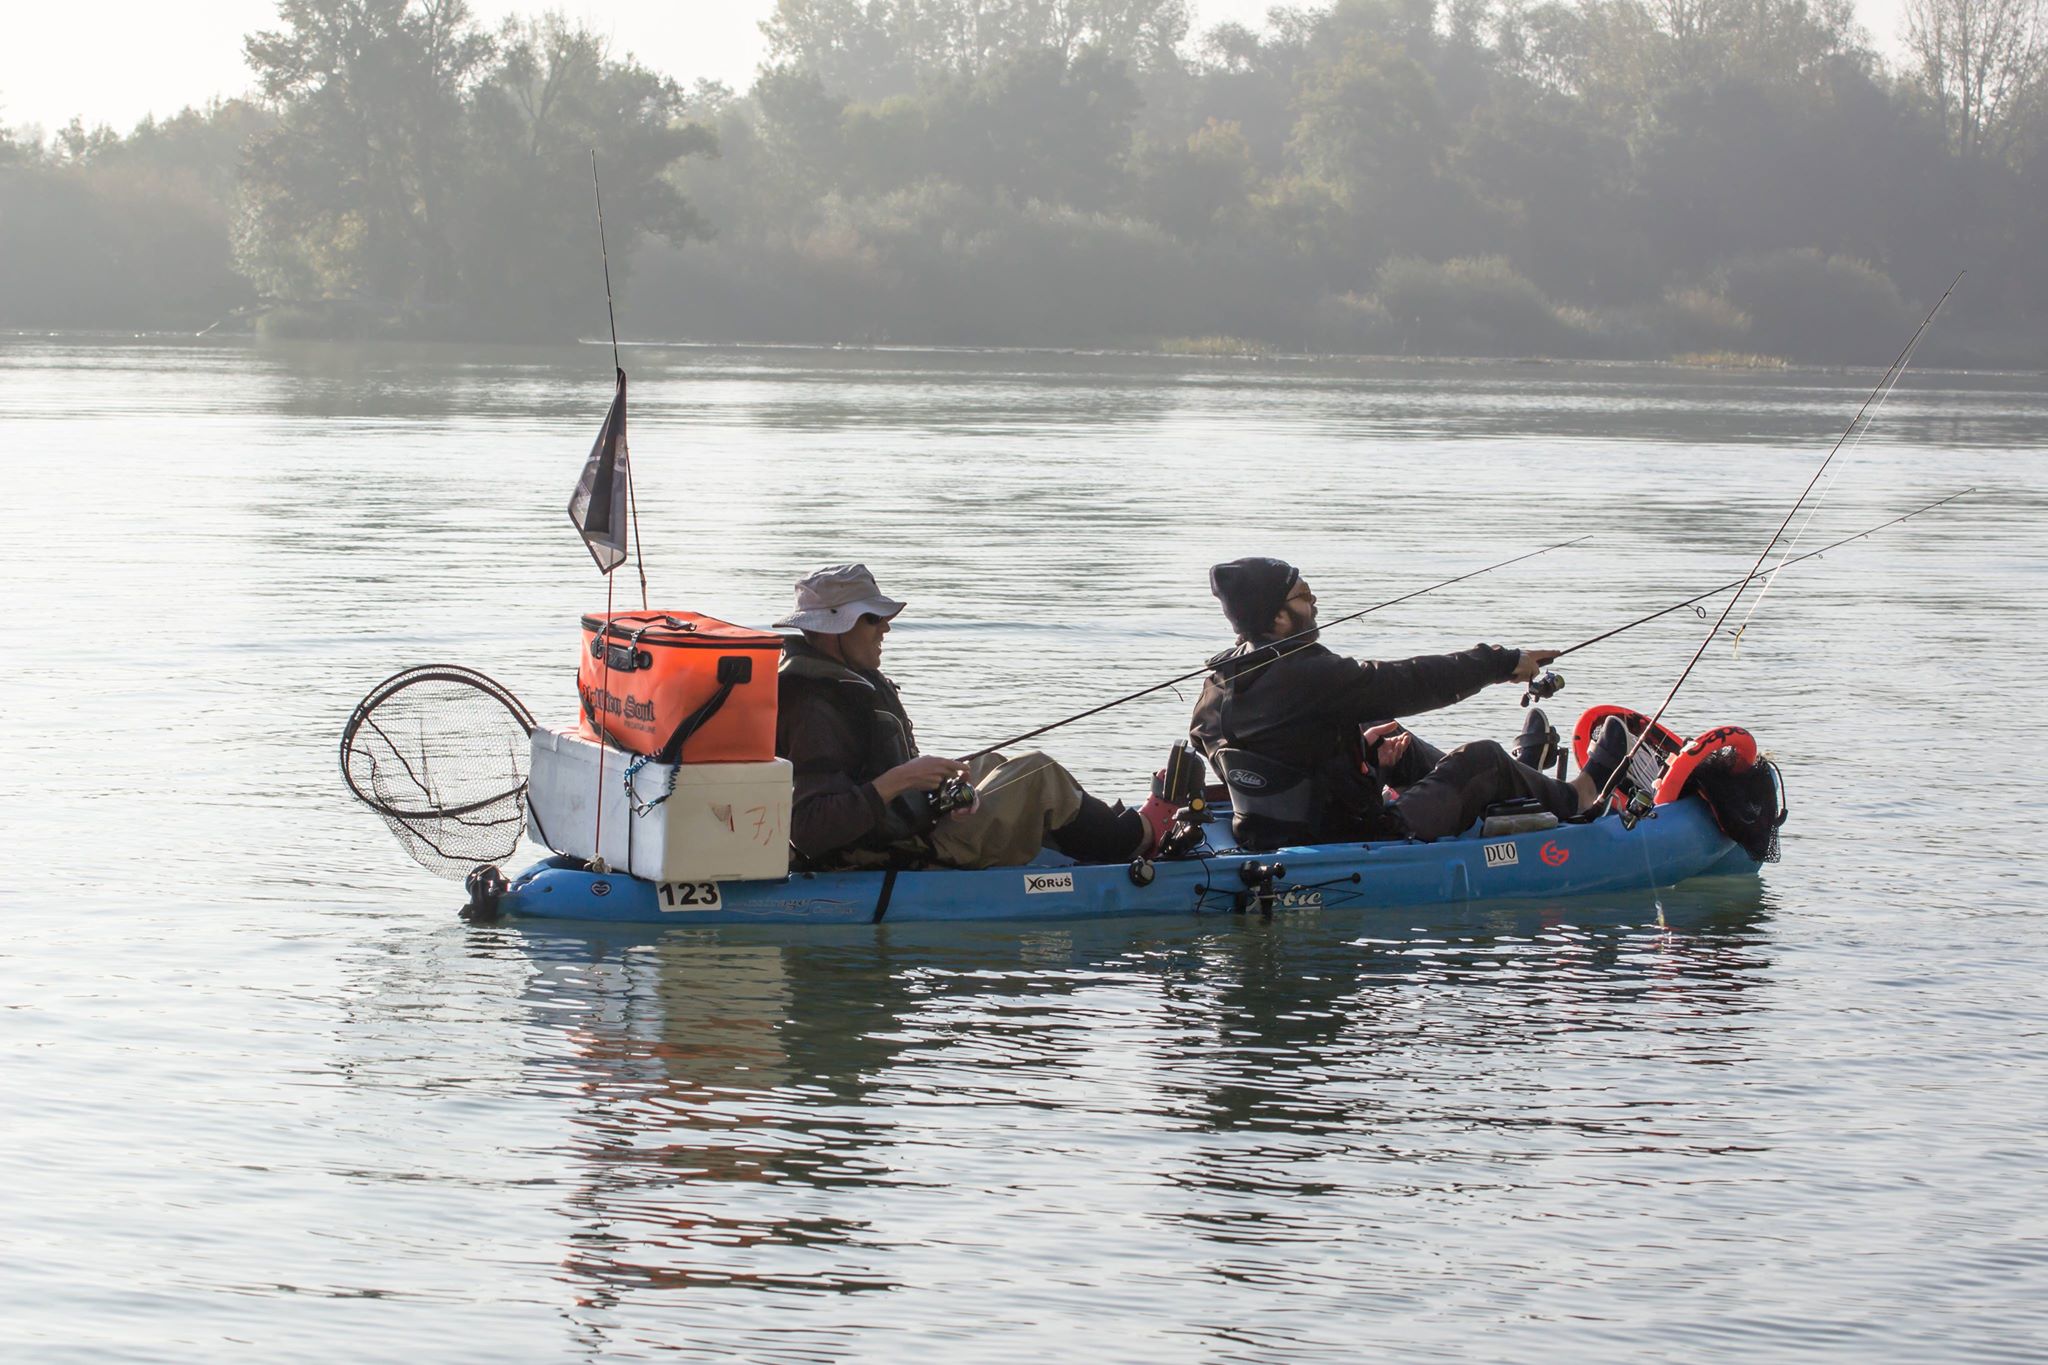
(113, 61)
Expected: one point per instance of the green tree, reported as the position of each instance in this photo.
(1191, 189)
(1041, 125)
(106, 231)
(1554, 186)
(438, 176)
(350, 195)
(801, 128)
(522, 227)
(871, 49)
(1371, 127)
(1983, 64)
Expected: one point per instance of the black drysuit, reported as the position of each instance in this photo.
(841, 728)
(1303, 706)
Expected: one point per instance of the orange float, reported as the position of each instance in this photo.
(1732, 738)
(1665, 741)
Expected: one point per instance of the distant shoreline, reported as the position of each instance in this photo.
(252, 340)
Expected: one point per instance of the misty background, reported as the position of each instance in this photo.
(1727, 181)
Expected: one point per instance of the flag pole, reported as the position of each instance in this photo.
(611, 315)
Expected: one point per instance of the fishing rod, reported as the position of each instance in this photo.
(1771, 578)
(1737, 582)
(1891, 377)
(1298, 635)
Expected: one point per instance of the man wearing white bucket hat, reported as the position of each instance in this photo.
(862, 788)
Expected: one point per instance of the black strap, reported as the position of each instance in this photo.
(691, 724)
(888, 890)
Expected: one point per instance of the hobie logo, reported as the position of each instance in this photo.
(1238, 777)
(1042, 883)
(1502, 855)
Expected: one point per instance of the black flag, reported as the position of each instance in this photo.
(598, 507)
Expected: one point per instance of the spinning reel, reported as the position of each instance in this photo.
(955, 793)
(1544, 686)
(1184, 782)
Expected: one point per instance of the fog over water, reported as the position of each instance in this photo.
(269, 1099)
(166, 60)
(1594, 179)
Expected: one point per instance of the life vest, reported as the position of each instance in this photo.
(1737, 742)
(871, 714)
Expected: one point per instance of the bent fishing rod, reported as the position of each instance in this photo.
(1891, 377)
(1274, 644)
(1738, 582)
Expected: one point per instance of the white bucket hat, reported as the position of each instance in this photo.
(832, 600)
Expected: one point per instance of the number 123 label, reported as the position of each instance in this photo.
(688, 896)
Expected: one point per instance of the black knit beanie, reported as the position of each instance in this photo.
(1252, 592)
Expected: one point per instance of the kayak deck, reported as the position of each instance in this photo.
(1679, 841)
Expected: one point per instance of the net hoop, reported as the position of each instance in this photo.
(398, 682)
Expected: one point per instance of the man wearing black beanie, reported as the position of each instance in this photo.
(1305, 714)
(1252, 591)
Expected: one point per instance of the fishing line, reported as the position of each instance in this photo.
(1887, 389)
(1273, 645)
(1890, 376)
(981, 792)
(1736, 582)
(604, 695)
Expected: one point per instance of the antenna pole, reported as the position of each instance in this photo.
(605, 256)
(611, 315)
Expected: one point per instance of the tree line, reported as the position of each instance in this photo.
(1628, 178)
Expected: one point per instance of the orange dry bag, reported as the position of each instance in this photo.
(681, 687)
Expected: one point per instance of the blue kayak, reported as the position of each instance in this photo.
(1679, 841)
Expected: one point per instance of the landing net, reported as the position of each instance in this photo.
(441, 753)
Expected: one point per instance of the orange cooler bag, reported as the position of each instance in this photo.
(681, 687)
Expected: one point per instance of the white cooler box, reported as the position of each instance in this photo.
(726, 821)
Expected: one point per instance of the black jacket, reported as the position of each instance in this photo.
(841, 728)
(1303, 706)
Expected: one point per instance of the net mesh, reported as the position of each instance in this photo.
(1748, 801)
(440, 752)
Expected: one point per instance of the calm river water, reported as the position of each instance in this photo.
(267, 1098)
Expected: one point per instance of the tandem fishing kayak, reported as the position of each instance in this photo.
(1674, 843)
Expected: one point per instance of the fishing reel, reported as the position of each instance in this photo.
(1544, 686)
(1636, 788)
(1637, 805)
(1184, 783)
(955, 793)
